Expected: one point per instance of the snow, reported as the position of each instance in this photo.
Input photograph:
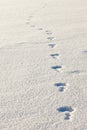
(43, 65)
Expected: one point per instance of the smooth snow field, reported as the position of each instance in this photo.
(43, 64)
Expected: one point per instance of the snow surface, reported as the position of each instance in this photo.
(43, 64)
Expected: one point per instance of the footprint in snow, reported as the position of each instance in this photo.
(48, 32)
(40, 29)
(55, 55)
(57, 68)
(32, 26)
(61, 86)
(27, 22)
(29, 18)
(50, 38)
(52, 45)
(67, 110)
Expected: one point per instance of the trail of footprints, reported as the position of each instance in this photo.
(67, 110)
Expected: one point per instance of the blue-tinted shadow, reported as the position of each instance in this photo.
(59, 84)
(65, 109)
(56, 67)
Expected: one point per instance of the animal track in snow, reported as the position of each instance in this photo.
(50, 38)
(30, 16)
(32, 26)
(48, 32)
(57, 68)
(52, 45)
(27, 22)
(67, 110)
(54, 55)
(61, 86)
(40, 29)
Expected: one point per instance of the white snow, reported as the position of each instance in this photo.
(43, 64)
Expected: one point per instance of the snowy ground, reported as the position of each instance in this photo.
(43, 65)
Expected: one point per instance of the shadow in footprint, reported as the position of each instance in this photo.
(67, 116)
(54, 55)
(52, 45)
(57, 68)
(65, 109)
(60, 86)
